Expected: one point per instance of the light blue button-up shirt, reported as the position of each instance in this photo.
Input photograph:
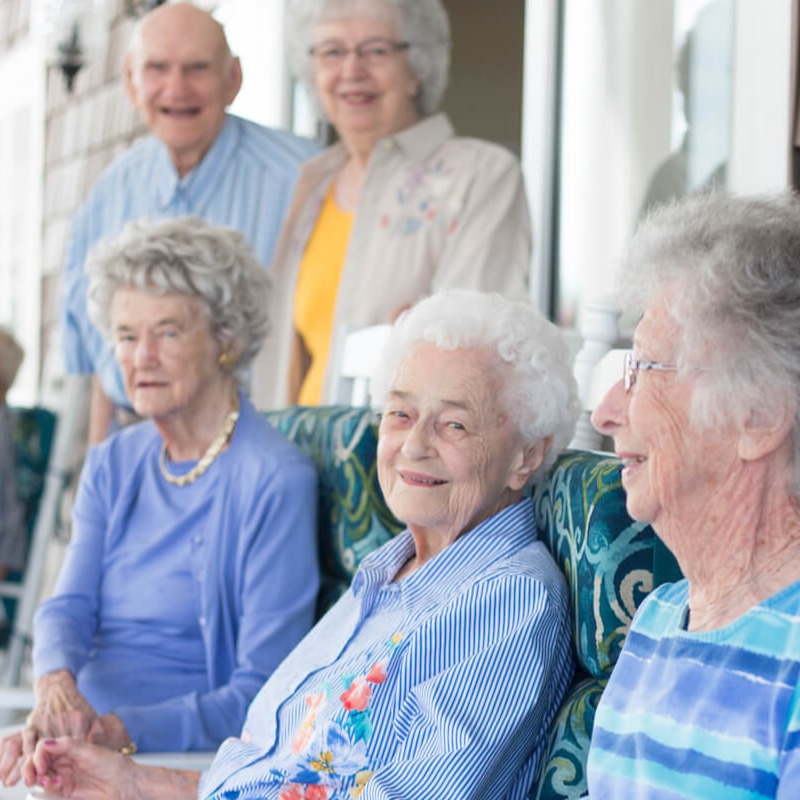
(245, 181)
(440, 685)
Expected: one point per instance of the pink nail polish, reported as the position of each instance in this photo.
(50, 742)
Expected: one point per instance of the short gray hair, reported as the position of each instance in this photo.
(188, 256)
(735, 262)
(422, 23)
(11, 356)
(541, 396)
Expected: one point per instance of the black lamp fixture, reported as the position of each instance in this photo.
(70, 55)
(138, 8)
(70, 50)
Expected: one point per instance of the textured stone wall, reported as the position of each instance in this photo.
(84, 130)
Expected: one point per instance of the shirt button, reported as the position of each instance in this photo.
(203, 621)
(198, 539)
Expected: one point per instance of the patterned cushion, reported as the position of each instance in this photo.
(563, 774)
(353, 517)
(607, 557)
(609, 562)
(32, 433)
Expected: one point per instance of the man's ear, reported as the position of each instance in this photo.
(129, 79)
(234, 80)
(529, 460)
(764, 433)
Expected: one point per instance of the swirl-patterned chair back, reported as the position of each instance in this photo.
(611, 562)
(32, 431)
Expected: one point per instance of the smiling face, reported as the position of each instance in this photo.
(364, 101)
(449, 456)
(181, 78)
(673, 472)
(168, 356)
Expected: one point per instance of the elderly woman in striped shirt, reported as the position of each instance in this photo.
(705, 699)
(440, 670)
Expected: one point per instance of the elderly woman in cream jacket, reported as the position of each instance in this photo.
(399, 207)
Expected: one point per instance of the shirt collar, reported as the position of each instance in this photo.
(199, 185)
(417, 143)
(435, 582)
(420, 141)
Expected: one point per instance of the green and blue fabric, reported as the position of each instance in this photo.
(608, 560)
(342, 442)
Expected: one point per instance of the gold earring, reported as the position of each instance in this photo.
(227, 359)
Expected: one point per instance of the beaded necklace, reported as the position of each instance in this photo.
(214, 449)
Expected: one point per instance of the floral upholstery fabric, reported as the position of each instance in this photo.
(353, 517)
(580, 510)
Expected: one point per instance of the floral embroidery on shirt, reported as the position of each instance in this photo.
(361, 781)
(329, 749)
(304, 734)
(296, 791)
(420, 197)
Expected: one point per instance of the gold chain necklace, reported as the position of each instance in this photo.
(214, 449)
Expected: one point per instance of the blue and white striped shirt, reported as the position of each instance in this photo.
(711, 715)
(245, 181)
(440, 685)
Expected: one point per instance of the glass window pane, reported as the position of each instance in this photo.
(646, 117)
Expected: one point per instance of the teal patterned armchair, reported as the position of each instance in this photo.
(32, 433)
(611, 562)
(354, 520)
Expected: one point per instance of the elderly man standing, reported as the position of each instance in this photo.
(181, 76)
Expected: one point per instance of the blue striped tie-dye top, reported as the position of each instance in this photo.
(711, 714)
(440, 685)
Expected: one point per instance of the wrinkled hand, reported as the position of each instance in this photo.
(12, 756)
(108, 731)
(69, 768)
(61, 710)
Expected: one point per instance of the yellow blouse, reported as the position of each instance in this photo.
(316, 291)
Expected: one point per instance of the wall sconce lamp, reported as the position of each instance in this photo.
(70, 55)
(65, 28)
(138, 8)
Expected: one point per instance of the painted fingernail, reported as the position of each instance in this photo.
(50, 742)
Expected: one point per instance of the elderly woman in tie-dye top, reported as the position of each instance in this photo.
(439, 672)
(705, 699)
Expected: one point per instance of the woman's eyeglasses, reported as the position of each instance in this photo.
(373, 52)
(632, 366)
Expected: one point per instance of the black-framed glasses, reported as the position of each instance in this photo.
(631, 366)
(374, 52)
